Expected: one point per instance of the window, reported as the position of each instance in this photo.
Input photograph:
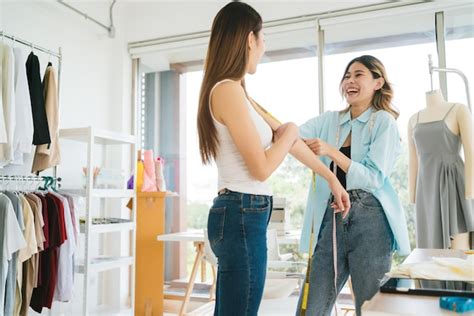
(201, 180)
(459, 26)
(295, 100)
(405, 57)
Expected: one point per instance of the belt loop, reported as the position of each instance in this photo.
(356, 192)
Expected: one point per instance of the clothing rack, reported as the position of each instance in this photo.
(46, 179)
(34, 47)
(453, 70)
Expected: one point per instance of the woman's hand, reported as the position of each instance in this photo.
(341, 202)
(319, 147)
(286, 128)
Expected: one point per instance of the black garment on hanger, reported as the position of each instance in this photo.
(40, 121)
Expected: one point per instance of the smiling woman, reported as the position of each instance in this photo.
(362, 142)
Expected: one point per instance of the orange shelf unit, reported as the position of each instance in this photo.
(149, 267)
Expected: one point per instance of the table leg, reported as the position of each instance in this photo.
(189, 289)
(203, 270)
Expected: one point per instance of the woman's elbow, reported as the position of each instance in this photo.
(260, 173)
(376, 183)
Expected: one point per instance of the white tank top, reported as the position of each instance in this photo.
(232, 171)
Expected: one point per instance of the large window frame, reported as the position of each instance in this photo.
(360, 44)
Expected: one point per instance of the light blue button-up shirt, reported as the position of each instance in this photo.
(375, 147)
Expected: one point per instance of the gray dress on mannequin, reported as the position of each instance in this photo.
(441, 208)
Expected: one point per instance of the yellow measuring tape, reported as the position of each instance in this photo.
(304, 303)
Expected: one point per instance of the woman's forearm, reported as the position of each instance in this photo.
(341, 160)
(302, 152)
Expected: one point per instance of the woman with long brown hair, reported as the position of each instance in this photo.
(247, 146)
(362, 142)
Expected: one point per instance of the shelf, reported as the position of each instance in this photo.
(109, 228)
(157, 194)
(106, 263)
(103, 193)
(112, 193)
(101, 137)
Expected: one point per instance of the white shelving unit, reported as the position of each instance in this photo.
(91, 137)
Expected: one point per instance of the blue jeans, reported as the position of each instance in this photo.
(237, 227)
(364, 251)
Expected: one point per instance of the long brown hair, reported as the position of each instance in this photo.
(382, 99)
(227, 58)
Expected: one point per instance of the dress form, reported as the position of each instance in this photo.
(459, 122)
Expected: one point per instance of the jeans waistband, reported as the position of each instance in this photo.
(354, 195)
(233, 195)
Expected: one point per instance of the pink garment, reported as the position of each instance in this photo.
(149, 181)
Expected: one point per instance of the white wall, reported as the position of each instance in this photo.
(95, 84)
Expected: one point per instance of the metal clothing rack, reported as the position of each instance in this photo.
(46, 179)
(35, 47)
(453, 70)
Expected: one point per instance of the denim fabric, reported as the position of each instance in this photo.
(364, 251)
(237, 227)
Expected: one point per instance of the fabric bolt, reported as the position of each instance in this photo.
(149, 177)
(441, 208)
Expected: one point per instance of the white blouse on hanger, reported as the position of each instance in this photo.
(8, 97)
(23, 137)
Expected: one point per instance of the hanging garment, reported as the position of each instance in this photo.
(11, 285)
(64, 285)
(8, 100)
(11, 240)
(30, 267)
(44, 293)
(3, 129)
(23, 137)
(441, 208)
(40, 122)
(47, 155)
(26, 253)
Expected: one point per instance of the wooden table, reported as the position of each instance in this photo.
(383, 304)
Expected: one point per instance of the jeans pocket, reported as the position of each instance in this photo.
(258, 204)
(215, 225)
(369, 202)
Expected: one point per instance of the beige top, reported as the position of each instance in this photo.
(47, 155)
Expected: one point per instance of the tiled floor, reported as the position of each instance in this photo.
(271, 307)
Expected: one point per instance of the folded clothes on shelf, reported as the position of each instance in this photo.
(105, 220)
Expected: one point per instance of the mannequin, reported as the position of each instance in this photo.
(458, 121)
